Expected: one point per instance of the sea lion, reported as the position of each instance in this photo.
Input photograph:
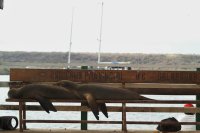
(93, 92)
(42, 93)
(71, 86)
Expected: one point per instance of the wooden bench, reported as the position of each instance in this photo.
(143, 82)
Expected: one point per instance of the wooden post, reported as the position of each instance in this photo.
(20, 116)
(124, 128)
(83, 114)
(198, 105)
(24, 115)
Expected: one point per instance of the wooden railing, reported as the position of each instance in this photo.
(143, 82)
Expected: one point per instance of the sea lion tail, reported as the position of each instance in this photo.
(103, 108)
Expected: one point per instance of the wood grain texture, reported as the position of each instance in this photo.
(105, 76)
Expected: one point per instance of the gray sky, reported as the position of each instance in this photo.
(134, 26)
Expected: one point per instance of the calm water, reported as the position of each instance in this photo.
(76, 115)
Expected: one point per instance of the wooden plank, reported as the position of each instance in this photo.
(110, 108)
(107, 76)
(127, 85)
(37, 130)
(107, 122)
(114, 101)
(166, 91)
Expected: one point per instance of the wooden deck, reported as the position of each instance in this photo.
(87, 131)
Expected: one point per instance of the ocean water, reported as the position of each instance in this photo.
(62, 115)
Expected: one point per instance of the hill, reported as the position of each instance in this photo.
(59, 59)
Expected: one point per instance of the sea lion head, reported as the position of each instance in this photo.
(66, 84)
(13, 93)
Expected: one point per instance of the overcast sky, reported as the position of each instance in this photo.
(134, 26)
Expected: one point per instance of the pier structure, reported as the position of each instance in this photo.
(143, 82)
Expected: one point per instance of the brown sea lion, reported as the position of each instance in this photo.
(42, 93)
(93, 92)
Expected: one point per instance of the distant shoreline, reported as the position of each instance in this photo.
(59, 60)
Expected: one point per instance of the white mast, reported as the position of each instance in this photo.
(70, 43)
(99, 56)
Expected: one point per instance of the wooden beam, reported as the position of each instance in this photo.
(114, 101)
(107, 76)
(166, 91)
(37, 130)
(110, 109)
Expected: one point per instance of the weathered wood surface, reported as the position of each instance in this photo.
(108, 76)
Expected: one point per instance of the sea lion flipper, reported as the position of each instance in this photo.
(85, 104)
(93, 105)
(46, 104)
(103, 108)
(144, 98)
